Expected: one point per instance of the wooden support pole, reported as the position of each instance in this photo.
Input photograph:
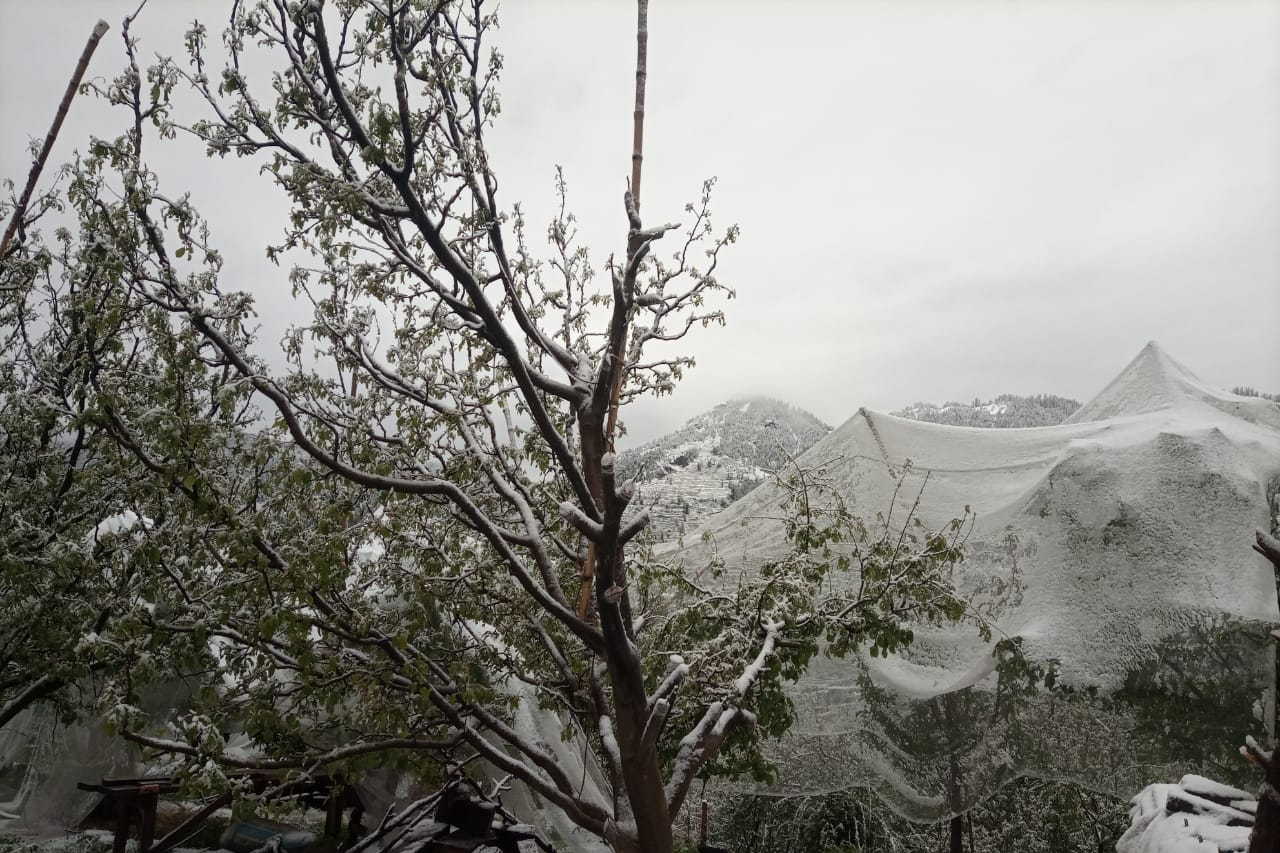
(1265, 837)
(642, 73)
(333, 814)
(123, 813)
(148, 800)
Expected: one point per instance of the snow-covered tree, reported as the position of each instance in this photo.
(68, 544)
(411, 538)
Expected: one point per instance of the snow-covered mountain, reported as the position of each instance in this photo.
(1006, 410)
(716, 458)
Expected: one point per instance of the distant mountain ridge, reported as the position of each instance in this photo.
(1006, 410)
(716, 458)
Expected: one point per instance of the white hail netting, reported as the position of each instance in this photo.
(574, 758)
(1128, 529)
(42, 761)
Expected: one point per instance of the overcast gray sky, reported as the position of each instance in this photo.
(938, 200)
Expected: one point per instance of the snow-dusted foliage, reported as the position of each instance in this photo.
(72, 534)
(410, 541)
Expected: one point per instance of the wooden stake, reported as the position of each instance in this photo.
(1265, 837)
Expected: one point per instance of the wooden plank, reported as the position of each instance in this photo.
(128, 793)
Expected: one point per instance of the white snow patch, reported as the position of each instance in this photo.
(115, 525)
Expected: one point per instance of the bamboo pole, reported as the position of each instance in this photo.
(637, 159)
(99, 30)
(642, 73)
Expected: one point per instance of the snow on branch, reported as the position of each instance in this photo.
(609, 743)
(705, 738)
(751, 674)
(177, 747)
(677, 670)
(633, 525)
(589, 528)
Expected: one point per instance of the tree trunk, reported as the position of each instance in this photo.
(957, 835)
(604, 569)
(641, 771)
(644, 788)
(1265, 837)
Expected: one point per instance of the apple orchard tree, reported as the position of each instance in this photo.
(376, 552)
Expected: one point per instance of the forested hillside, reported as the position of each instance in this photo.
(1248, 391)
(1006, 410)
